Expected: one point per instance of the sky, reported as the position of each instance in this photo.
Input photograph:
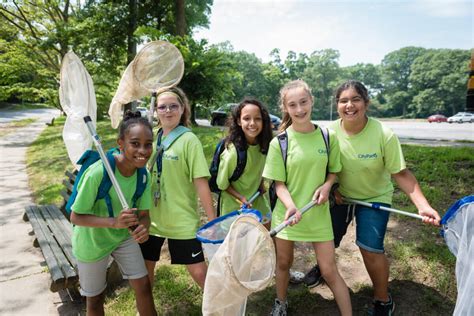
(362, 31)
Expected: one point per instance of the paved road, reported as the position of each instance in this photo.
(24, 279)
(416, 132)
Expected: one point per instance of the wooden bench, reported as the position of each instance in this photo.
(53, 234)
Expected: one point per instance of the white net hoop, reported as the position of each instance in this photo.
(244, 264)
(77, 98)
(159, 64)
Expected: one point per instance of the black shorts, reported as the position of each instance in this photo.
(186, 251)
(341, 217)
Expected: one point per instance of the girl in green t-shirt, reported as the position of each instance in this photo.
(179, 177)
(97, 236)
(371, 156)
(250, 130)
(302, 179)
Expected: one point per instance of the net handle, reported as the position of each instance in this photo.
(105, 161)
(383, 208)
(285, 224)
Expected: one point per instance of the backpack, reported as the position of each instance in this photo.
(87, 159)
(283, 141)
(214, 168)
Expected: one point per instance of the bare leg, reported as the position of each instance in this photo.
(284, 260)
(378, 268)
(143, 295)
(198, 272)
(95, 305)
(327, 263)
(150, 266)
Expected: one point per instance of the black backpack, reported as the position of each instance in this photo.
(283, 141)
(214, 168)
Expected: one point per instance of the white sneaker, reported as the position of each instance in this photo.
(279, 308)
(296, 277)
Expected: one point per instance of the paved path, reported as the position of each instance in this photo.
(24, 279)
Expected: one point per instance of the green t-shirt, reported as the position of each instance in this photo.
(368, 161)
(90, 244)
(176, 214)
(305, 172)
(247, 184)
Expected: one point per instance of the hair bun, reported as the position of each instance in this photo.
(130, 114)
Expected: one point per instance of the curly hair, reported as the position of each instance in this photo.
(130, 119)
(236, 134)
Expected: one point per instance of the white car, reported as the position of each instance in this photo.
(143, 111)
(461, 117)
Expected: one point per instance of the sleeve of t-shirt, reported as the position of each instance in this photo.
(335, 165)
(274, 166)
(87, 190)
(144, 203)
(227, 165)
(393, 155)
(196, 160)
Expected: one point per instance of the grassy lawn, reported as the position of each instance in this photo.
(422, 268)
(10, 127)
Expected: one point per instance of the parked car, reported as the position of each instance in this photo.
(219, 116)
(143, 111)
(437, 118)
(461, 117)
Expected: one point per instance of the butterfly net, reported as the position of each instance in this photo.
(458, 229)
(77, 98)
(243, 264)
(159, 64)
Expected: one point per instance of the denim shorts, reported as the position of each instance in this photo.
(371, 225)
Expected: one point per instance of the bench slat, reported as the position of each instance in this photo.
(71, 175)
(43, 234)
(69, 186)
(62, 233)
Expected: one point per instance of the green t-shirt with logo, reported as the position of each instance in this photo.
(305, 172)
(176, 214)
(91, 244)
(247, 184)
(368, 161)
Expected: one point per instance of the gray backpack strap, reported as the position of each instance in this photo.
(283, 141)
(325, 133)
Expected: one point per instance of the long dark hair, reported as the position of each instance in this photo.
(130, 119)
(236, 134)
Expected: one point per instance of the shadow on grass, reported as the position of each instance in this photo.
(410, 298)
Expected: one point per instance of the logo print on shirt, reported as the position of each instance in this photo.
(194, 255)
(367, 156)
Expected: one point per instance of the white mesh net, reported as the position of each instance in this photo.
(458, 233)
(77, 98)
(243, 264)
(159, 64)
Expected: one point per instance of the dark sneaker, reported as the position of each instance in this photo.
(296, 277)
(279, 308)
(313, 277)
(383, 308)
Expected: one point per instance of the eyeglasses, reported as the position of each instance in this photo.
(170, 107)
(354, 100)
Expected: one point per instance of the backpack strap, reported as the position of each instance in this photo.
(241, 163)
(106, 184)
(283, 141)
(142, 178)
(325, 133)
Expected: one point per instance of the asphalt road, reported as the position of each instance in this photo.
(411, 131)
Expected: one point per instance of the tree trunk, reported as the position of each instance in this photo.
(131, 43)
(180, 18)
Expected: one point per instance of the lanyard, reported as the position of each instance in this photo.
(159, 167)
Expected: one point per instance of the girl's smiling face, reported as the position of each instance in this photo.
(251, 122)
(169, 110)
(299, 104)
(137, 145)
(351, 106)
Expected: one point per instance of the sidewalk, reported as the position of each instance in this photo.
(24, 279)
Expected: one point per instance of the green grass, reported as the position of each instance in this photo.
(10, 127)
(422, 268)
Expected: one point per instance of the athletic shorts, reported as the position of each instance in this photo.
(371, 225)
(182, 251)
(92, 275)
